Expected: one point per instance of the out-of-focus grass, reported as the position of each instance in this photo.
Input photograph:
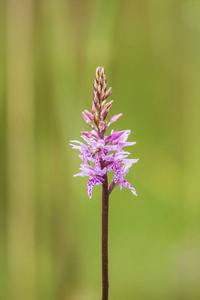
(50, 231)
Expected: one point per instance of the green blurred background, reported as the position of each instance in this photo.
(50, 230)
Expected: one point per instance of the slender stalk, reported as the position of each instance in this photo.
(105, 202)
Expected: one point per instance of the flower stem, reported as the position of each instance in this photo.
(105, 202)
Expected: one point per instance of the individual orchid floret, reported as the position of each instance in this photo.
(95, 176)
(124, 183)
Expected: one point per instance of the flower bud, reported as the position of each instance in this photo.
(102, 71)
(98, 71)
(95, 85)
(109, 91)
(88, 134)
(104, 113)
(100, 81)
(102, 97)
(104, 87)
(89, 115)
(99, 89)
(95, 98)
(86, 119)
(103, 103)
(114, 119)
(102, 125)
(108, 109)
(93, 107)
(114, 136)
(109, 104)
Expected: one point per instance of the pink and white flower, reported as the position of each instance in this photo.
(104, 152)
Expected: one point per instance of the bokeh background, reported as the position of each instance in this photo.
(50, 230)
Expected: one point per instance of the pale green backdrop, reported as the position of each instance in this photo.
(50, 230)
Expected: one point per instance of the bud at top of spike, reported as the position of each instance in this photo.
(100, 108)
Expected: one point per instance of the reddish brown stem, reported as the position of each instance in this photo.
(105, 202)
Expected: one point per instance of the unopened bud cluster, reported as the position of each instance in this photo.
(100, 107)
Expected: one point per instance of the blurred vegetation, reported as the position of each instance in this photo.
(50, 231)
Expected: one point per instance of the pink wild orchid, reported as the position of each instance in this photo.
(102, 153)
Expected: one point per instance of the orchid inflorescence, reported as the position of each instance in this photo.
(102, 152)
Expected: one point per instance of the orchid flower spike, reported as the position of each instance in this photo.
(104, 151)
